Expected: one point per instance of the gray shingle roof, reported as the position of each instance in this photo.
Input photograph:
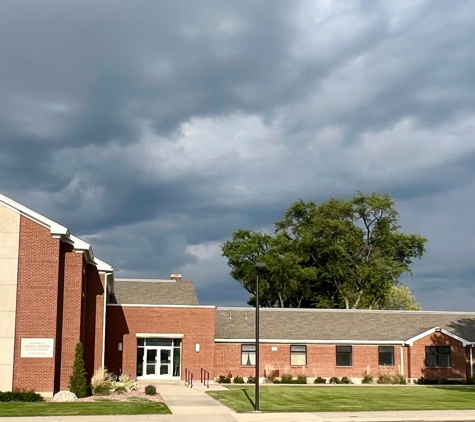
(324, 324)
(154, 292)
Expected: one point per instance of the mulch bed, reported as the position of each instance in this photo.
(134, 395)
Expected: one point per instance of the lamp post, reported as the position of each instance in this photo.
(259, 265)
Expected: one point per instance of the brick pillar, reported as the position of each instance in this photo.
(72, 310)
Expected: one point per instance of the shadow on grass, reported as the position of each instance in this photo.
(248, 398)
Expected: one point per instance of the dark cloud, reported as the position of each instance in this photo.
(157, 128)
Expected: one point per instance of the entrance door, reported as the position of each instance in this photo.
(151, 362)
(165, 362)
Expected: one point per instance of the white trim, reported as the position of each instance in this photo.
(156, 335)
(402, 359)
(103, 357)
(130, 305)
(57, 231)
(288, 341)
(411, 341)
(146, 280)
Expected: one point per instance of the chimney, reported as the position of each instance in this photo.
(176, 277)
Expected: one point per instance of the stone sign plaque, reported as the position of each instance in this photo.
(37, 347)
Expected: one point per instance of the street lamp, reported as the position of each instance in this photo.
(259, 266)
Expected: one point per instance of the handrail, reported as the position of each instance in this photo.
(204, 377)
(188, 378)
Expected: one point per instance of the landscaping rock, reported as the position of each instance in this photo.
(63, 396)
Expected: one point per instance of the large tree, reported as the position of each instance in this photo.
(338, 254)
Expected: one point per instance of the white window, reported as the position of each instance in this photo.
(298, 355)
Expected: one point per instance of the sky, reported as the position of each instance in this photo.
(155, 129)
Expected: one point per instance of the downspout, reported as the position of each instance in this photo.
(104, 321)
(402, 360)
(471, 362)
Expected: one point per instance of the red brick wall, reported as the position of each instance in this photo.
(460, 365)
(196, 324)
(94, 317)
(72, 310)
(37, 298)
(321, 361)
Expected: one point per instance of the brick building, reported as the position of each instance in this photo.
(55, 293)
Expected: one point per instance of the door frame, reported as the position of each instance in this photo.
(157, 375)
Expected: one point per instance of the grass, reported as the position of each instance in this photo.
(80, 409)
(338, 398)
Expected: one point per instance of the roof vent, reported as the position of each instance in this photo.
(176, 277)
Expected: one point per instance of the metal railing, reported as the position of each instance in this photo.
(188, 378)
(204, 377)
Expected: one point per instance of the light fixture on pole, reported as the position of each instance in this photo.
(259, 266)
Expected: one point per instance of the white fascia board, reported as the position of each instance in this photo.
(288, 341)
(157, 335)
(134, 305)
(411, 341)
(56, 229)
(102, 266)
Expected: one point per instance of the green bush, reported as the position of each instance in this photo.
(319, 380)
(334, 380)
(120, 390)
(301, 379)
(20, 395)
(223, 379)
(77, 381)
(346, 380)
(150, 390)
(286, 379)
(441, 381)
(103, 389)
(238, 380)
(276, 381)
(367, 379)
(251, 380)
(384, 379)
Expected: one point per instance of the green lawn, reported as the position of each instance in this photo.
(344, 398)
(85, 408)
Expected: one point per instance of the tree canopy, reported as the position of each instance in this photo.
(338, 254)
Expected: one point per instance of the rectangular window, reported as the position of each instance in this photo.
(386, 355)
(438, 356)
(298, 355)
(343, 356)
(248, 354)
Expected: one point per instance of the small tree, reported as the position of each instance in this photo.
(77, 381)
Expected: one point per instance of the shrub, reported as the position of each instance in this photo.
(20, 395)
(334, 380)
(251, 380)
(398, 379)
(319, 380)
(269, 371)
(367, 379)
(150, 390)
(102, 382)
(384, 379)
(120, 390)
(223, 379)
(276, 381)
(126, 380)
(77, 381)
(346, 380)
(301, 379)
(440, 381)
(238, 380)
(286, 379)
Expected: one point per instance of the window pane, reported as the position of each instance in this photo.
(140, 342)
(298, 359)
(176, 362)
(444, 360)
(177, 342)
(343, 359)
(248, 358)
(298, 348)
(387, 349)
(140, 352)
(431, 356)
(386, 355)
(248, 347)
(159, 342)
(444, 350)
(343, 349)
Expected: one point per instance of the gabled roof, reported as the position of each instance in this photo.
(333, 326)
(153, 292)
(58, 231)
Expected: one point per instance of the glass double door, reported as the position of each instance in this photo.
(158, 362)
